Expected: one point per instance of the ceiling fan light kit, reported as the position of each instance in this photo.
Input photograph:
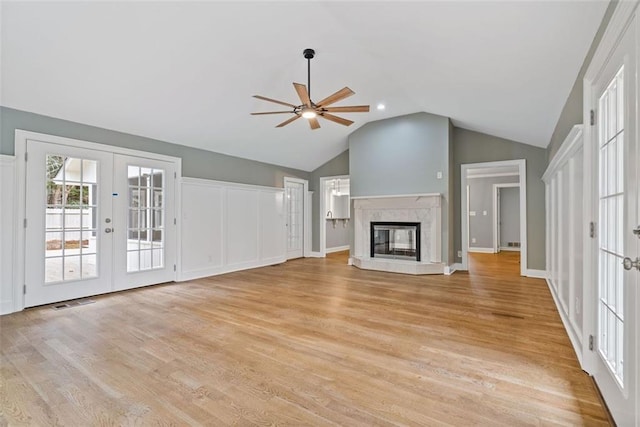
(311, 110)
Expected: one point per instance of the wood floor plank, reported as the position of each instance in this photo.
(308, 342)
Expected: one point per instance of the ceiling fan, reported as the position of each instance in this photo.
(312, 110)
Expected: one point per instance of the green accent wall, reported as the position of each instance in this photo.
(475, 147)
(403, 155)
(572, 111)
(196, 163)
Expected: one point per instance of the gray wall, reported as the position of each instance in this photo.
(195, 163)
(481, 200)
(339, 165)
(509, 216)
(402, 155)
(475, 147)
(338, 236)
(572, 112)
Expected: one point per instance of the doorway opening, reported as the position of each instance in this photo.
(481, 184)
(335, 213)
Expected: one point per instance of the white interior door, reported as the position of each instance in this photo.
(617, 195)
(68, 212)
(294, 193)
(145, 222)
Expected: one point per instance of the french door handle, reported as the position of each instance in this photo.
(636, 231)
(108, 230)
(628, 263)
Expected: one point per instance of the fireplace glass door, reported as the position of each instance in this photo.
(395, 240)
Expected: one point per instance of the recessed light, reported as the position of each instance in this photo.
(380, 106)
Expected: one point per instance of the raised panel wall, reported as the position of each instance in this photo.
(565, 234)
(228, 227)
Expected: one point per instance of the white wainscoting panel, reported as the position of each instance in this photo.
(273, 242)
(566, 231)
(228, 227)
(202, 218)
(7, 225)
(242, 226)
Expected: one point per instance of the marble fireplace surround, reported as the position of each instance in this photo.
(422, 208)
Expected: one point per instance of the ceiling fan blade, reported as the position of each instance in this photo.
(303, 94)
(272, 112)
(314, 123)
(274, 100)
(336, 119)
(286, 122)
(339, 95)
(351, 109)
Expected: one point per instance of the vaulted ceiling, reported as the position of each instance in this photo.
(185, 72)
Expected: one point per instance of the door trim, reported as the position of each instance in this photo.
(21, 138)
(496, 206)
(623, 17)
(323, 213)
(616, 29)
(464, 209)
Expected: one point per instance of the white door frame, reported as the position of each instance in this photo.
(496, 215)
(614, 33)
(323, 211)
(306, 201)
(464, 208)
(21, 137)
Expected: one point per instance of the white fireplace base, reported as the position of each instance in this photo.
(398, 266)
(422, 208)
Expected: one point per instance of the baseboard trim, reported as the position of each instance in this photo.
(449, 269)
(337, 249)
(6, 307)
(218, 270)
(482, 250)
(573, 337)
(537, 274)
(509, 249)
(350, 261)
(314, 255)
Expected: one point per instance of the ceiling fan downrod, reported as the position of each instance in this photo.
(309, 54)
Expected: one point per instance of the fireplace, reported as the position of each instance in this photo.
(395, 240)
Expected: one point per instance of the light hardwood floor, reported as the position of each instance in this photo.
(309, 342)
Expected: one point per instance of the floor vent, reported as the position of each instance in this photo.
(70, 304)
(513, 316)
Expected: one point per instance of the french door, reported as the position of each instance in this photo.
(615, 150)
(96, 222)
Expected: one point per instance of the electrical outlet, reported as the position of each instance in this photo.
(459, 254)
(473, 240)
(472, 213)
(439, 175)
(484, 213)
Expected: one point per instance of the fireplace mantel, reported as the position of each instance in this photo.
(422, 208)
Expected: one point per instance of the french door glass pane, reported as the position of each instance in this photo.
(610, 237)
(145, 220)
(295, 201)
(70, 219)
